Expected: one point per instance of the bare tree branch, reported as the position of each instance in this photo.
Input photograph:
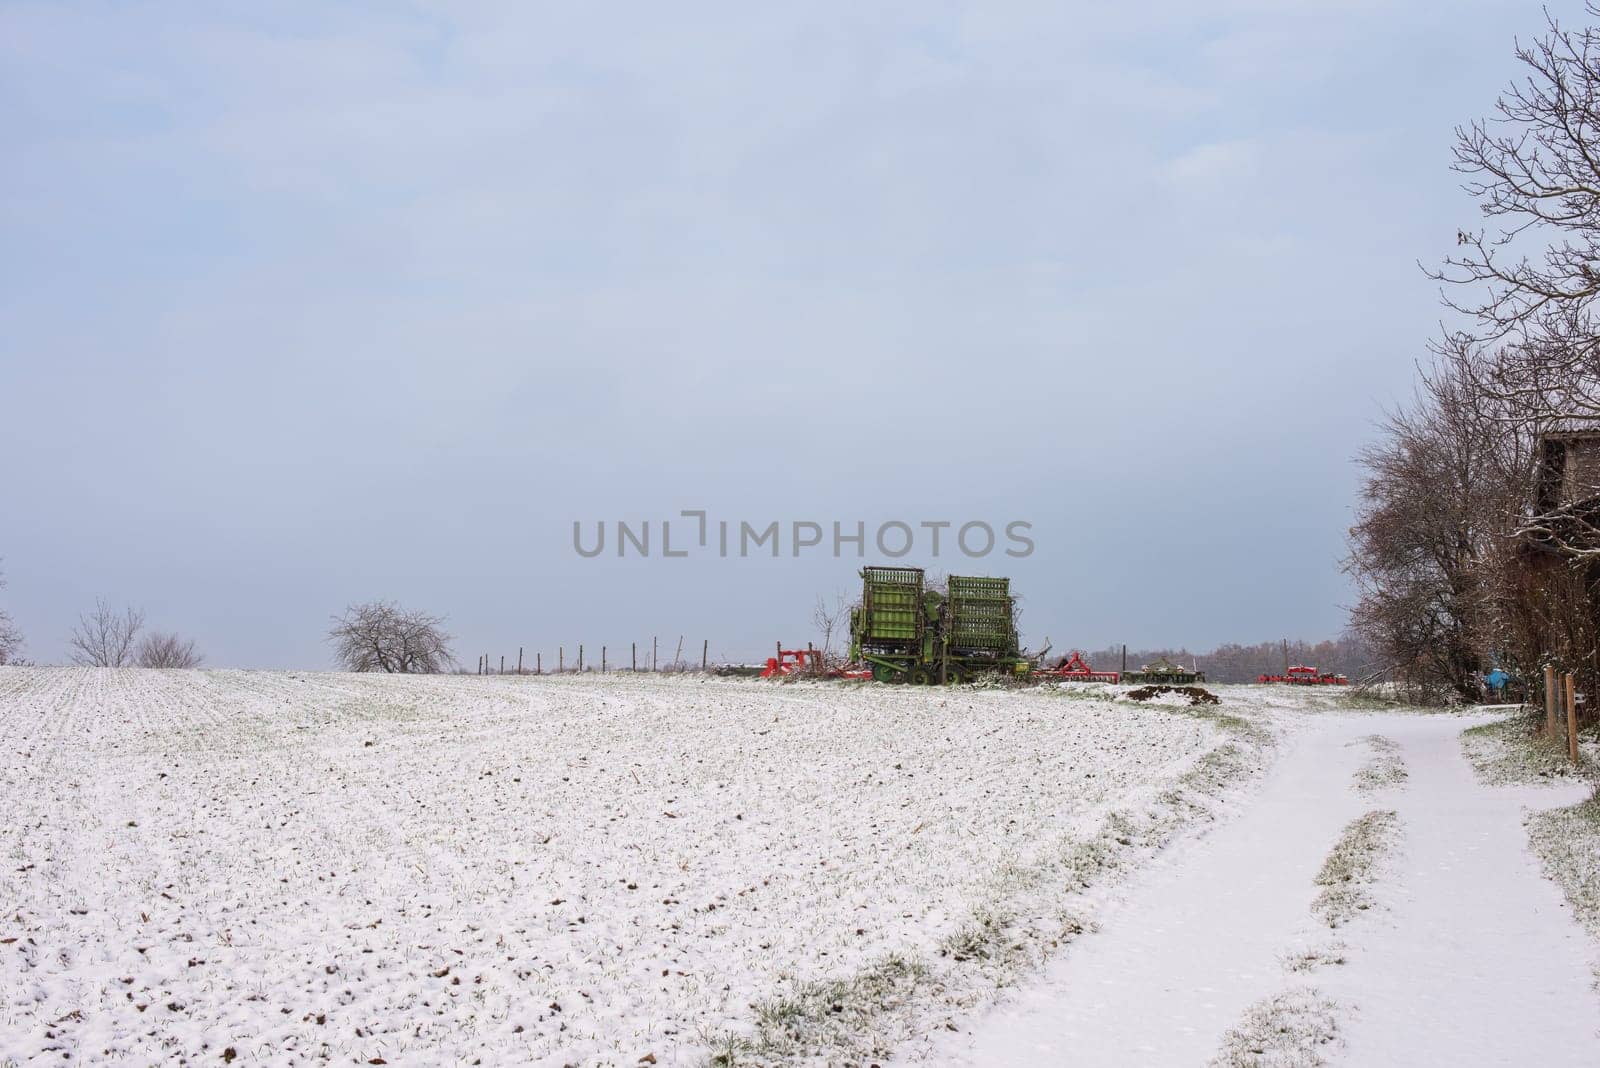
(10, 634)
(104, 637)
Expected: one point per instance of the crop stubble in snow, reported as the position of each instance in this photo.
(305, 866)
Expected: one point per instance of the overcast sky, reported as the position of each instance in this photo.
(333, 302)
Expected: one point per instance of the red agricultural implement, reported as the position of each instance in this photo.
(793, 662)
(1300, 675)
(805, 662)
(1075, 669)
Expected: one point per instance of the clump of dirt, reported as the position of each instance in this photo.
(1198, 695)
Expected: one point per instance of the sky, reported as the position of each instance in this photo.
(323, 303)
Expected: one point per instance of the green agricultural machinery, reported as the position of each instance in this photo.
(906, 632)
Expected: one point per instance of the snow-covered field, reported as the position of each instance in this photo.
(294, 867)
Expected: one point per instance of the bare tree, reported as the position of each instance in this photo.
(1530, 284)
(1441, 489)
(10, 635)
(104, 637)
(381, 636)
(166, 650)
(831, 618)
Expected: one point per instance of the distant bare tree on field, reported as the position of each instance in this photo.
(382, 636)
(830, 618)
(105, 637)
(10, 635)
(163, 650)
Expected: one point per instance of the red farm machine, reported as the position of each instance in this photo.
(805, 662)
(1074, 669)
(1301, 675)
(793, 662)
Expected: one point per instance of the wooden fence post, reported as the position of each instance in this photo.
(561, 659)
(1549, 700)
(538, 663)
(502, 663)
(602, 660)
(704, 646)
(580, 659)
(1572, 717)
(634, 658)
(519, 660)
(652, 652)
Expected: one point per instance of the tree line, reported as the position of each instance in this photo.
(1459, 567)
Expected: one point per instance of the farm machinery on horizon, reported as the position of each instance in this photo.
(1301, 675)
(904, 631)
(1165, 673)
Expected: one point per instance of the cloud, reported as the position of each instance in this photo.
(1215, 164)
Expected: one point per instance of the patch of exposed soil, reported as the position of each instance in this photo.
(1198, 695)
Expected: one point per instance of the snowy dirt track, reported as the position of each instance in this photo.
(261, 867)
(1451, 946)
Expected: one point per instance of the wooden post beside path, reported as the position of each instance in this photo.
(1549, 700)
(1572, 717)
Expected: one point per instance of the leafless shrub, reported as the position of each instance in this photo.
(164, 650)
(105, 637)
(381, 636)
(10, 634)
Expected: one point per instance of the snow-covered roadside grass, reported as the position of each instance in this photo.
(1294, 1029)
(1514, 751)
(1353, 866)
(320, 867)
(1567, 842)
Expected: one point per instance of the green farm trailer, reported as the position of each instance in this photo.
(906, 632)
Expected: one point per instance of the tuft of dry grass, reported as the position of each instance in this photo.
(1298, 1028)
(1386, 768)
(1351, 868)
